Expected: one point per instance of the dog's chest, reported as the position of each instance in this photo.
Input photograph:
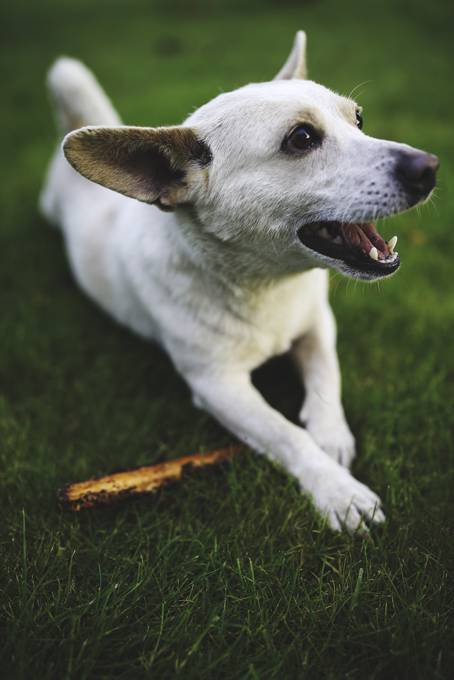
(279, 315)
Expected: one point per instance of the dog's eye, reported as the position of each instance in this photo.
(301, 138)
(359, 119)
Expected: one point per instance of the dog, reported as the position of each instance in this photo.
(223, 257)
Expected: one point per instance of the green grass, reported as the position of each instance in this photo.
(231, 574)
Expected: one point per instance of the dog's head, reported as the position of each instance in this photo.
(279, 173)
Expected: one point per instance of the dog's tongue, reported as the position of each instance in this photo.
(365, 237)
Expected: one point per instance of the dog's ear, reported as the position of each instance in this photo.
(295, 66)
(154, 165)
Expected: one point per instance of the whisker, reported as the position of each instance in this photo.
(356, 87)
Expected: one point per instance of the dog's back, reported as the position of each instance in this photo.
(88, 214)
(78, 100)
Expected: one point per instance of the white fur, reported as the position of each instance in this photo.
(224, 291)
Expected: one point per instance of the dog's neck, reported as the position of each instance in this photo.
(233, 265)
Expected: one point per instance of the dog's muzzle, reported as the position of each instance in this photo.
(359, 246)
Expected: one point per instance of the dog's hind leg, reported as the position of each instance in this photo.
(78, 100)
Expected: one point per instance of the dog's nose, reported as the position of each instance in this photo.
(417, 170)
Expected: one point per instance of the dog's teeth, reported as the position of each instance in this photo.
(373, 253)
(338, 240)
(392, 256)
(392, 244)
(324, 232)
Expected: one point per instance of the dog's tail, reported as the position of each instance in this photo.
(77, 97)
(78, 100)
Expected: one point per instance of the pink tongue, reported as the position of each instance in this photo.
(364, 236)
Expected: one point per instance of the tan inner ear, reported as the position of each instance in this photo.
(148, 164)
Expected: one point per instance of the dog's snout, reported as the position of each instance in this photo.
(417, 170)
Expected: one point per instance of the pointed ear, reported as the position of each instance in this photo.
(153, 165)
(295, 66)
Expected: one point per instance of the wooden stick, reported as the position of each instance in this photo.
(120, 486)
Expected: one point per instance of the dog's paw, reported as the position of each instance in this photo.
(345, 502)
(334, 437)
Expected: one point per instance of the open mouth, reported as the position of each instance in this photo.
(359, 246)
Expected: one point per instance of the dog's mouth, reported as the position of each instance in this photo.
(359, 246)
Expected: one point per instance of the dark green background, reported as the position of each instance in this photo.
(231, 574)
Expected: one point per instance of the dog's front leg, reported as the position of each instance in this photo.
(233, 400)
(322, 412)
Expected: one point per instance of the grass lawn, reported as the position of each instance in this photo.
(231, 574)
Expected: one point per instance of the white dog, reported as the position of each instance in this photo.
(223, 258)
